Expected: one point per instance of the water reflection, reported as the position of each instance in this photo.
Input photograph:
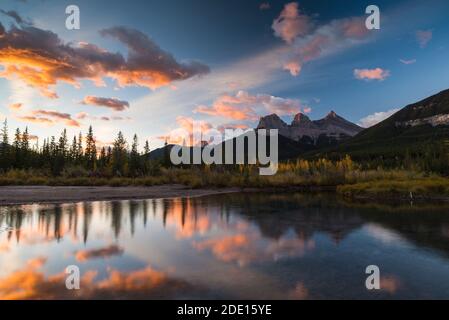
(230, 246)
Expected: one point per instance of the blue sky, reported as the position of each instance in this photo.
(357, 73)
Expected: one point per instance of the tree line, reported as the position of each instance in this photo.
(77, 157)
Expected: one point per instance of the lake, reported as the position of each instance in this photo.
(234, 246)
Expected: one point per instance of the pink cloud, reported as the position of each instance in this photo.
(423, 37)
(291, 23)
(82, 115)
(244, 106)
(308, 42)
(112, 103)
(15, 106)
(49, 117)
(371, 74)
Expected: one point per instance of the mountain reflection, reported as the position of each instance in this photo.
(273, 215)
(232, 246)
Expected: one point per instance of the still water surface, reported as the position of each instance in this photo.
(239, 246)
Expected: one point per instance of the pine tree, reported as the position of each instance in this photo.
(91, 150)
(17, 145)
(4, 147)
(73, 154)
(25, 143)
(80, 153)
(134, 163)
(5, 137)
(62, 145)
(119, 163)
(146, 148)
(25, 148)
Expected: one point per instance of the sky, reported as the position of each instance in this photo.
(151, 67)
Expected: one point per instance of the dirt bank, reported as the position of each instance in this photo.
(44, 194)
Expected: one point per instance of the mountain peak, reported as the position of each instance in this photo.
(271, 121)
(300, 118)
(332, 114)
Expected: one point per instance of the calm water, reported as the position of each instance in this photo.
(242, 246)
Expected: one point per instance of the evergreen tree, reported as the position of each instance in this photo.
(73, 154)
(17, 146)
(62, 146)
(91, 150)
(119, 155)
(4, 134)
(146, 149)
(25, 148)
(4, 147)
(102, 160)
(134, 159)
(80, 153)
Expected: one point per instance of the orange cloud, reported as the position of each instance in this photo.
(84, 255)
(243, 248)
(390, 284)
(41, 59)
(115, 104)
(371, 74)
(30, 283)
(38, 120)
(49, 117)
(16, 106)
(244, 106)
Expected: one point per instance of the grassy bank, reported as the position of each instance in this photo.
(344, 176)
(415, 188)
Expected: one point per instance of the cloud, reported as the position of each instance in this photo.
(31, 283)
(148, 65)
(41, 59)
(371, 74)
(404, 61)
(115, 104)
(308, 42)
(49, 117)
(291, 23)
(15, 106)
(81, 115)
(376, 117)
(14, 15)
(84, 255)
(244, 106)
(423, 37)
(241, 248)
(264, 6)
(38, 120)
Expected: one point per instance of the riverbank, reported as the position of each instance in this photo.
(15, 195)
(391, 191)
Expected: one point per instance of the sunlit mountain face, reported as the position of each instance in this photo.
(247, 246)
(153, 67)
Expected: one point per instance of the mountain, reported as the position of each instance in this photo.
(301, 136)
(288, 149)
(412, 129)
(331, 127)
